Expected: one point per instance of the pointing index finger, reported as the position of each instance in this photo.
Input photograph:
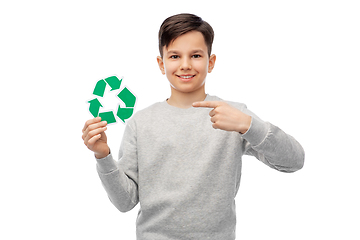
(207, 104)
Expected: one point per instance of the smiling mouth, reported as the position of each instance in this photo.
(185, 77)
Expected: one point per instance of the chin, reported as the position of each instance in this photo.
(189, 89)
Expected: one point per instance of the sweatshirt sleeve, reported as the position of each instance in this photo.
(120, 179)
(272, 146)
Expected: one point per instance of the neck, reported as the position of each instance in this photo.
(185, 100)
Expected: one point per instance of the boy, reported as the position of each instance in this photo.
(181, 158)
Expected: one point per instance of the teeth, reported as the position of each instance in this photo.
(186, 76)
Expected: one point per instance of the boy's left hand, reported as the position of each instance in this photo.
(226, 117)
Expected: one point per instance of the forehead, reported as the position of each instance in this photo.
(188, 42)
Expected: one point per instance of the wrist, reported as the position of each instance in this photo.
(102, 155)
(246, 125)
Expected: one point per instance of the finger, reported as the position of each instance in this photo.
(93, 126)
(93, 133)
(93, 140)
(207, 104)
(91, 121)
(212, 113)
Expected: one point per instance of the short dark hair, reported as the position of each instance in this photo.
(177, 25)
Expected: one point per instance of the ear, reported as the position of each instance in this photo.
(212, 60)
(161, 64)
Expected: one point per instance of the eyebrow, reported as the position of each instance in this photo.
(194, 51)
(172, 52)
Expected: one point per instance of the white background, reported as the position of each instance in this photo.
(294, 63)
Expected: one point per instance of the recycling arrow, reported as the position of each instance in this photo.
(126, 96)
(113, 82)
(100, 88)
(124, 113)
(129, 99)
(108, 117)
(94, 107)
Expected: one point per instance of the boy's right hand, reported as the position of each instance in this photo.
(95, 138)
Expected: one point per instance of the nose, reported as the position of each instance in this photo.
(185, 64)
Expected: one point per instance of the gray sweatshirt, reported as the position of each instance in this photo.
(185, 173)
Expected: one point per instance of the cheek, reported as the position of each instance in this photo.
(170, 68)
(201, 66)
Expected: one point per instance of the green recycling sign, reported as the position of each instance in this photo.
(125, 95)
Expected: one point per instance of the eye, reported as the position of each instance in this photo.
(174, 56)
(196, 56)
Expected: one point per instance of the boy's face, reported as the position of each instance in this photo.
(186, 62)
